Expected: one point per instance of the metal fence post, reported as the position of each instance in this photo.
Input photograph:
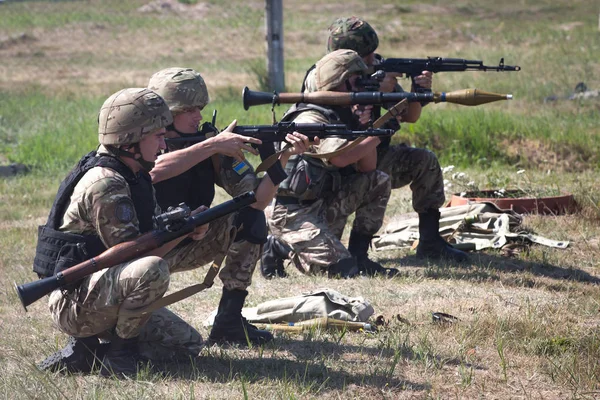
(274, 27)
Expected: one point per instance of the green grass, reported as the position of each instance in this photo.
(528, 323)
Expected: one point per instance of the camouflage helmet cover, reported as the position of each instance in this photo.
(354, 34)
(129, 114)
(182, 88)
(337, 66)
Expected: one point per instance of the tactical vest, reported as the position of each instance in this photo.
(195, 187)
(309, 179)
(58, 250)
(308, 71)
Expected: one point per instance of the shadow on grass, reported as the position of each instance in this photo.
(302, 349)
(307, 371)
(484, 266)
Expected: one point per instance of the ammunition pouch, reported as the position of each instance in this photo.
(309, 181)
(57, 251)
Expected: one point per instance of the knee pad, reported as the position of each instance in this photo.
(252, 225)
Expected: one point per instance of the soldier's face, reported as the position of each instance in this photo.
(151, 145)
(188, 121)
(349, 85)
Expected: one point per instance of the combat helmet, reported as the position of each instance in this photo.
(354, 34)
(182, 88)
(130, 114)
(337, 66)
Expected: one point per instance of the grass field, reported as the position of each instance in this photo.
(528, 324)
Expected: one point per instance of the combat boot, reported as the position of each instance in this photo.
(431, 244)
(122, 358)
(345, 268)
(271, 261)
(78, 356)
(358, 246)
(231, 327)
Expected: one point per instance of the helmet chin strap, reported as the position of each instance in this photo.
(177, 131)
(137, 156)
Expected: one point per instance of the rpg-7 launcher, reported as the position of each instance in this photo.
(465, 97)
(127, 251)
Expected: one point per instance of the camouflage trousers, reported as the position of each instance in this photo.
(93, 308)
(419, 168)
(314, 231)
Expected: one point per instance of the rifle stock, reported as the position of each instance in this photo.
(127, 251)
(466, 97)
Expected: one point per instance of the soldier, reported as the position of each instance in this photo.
(189, 174)
(105, 200)
(307, 221)
(405, 165)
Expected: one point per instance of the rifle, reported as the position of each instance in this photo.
(466, 97)
(277, 132)
(414, 67)
(127, 251)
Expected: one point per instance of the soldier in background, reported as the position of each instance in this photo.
(105, 200)
(404, 164)
(307, 221)
(188, 173)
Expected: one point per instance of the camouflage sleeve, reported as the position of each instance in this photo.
(111, 211)
(236, 177)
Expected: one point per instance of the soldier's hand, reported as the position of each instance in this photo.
(200, 231)
(362, 112)
(389, 82)
(233, 145)
(425, 80)
(300, 143)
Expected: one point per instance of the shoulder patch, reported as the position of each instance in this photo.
(240, 167)
(124, 210)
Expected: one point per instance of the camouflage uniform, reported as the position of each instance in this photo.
(314, 231)
(419, 168)
(404, 164)
(236, 273)
(184, 91)
(98, 205)
(183, 88)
